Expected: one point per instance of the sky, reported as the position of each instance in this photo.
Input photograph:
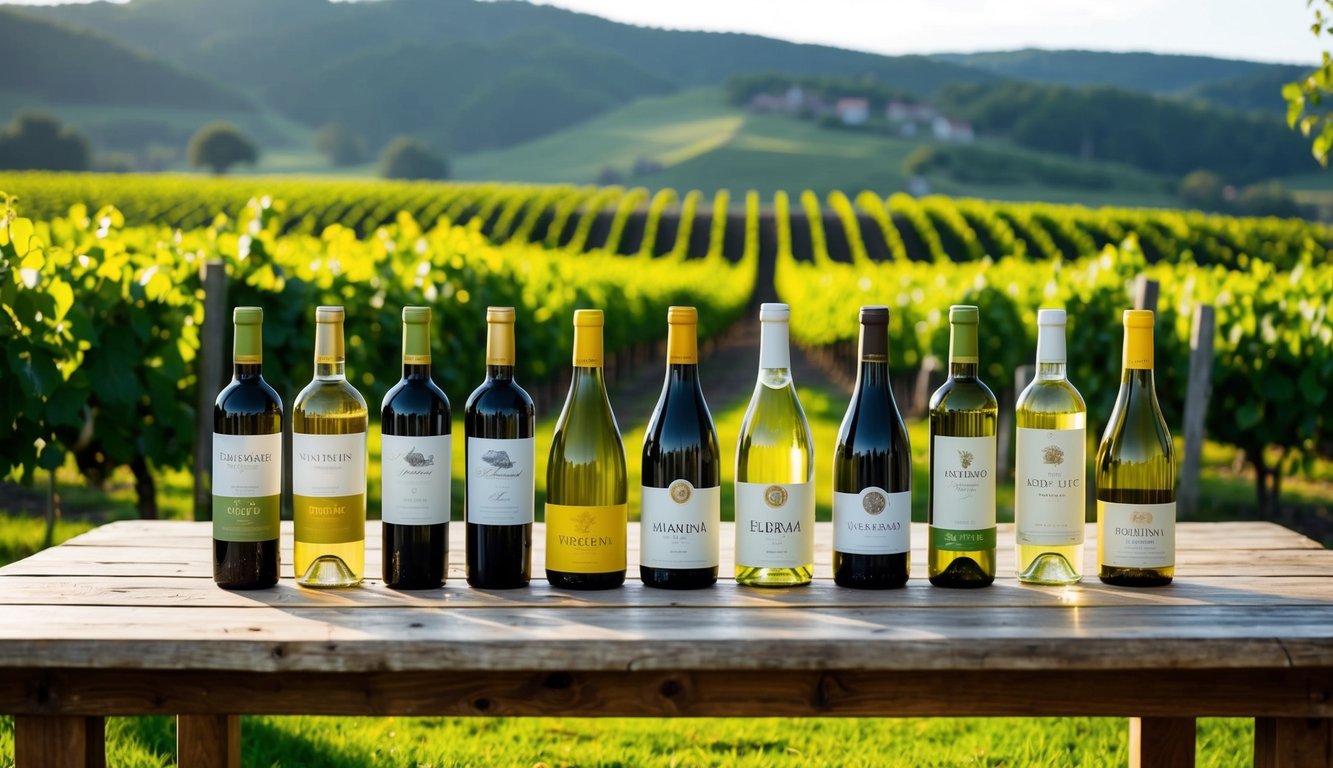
(1262, 30)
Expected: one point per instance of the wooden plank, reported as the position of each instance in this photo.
(667, 693)
(1284, 742)
(1161, 742)
(47, 741)
(208, 741)
(175, 591)
(1198, 389)
(333, 639)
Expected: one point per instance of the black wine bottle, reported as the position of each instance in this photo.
(416, 451)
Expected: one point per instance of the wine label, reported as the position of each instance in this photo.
(679, 526)
(586, 539)
(962, 502)
(872, 522)
(1049, 503)
(247, 487)
(1136, 535)
(414, 480)
(329, 487)
(500, 480)
(775, 524)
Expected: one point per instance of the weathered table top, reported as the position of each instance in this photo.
(139, 596)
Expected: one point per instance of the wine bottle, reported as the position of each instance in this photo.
(586, 482)
(775, 495)
(499, 424)
(963, 415)
(872, 473)
(247, 465)
(416, 450)
(1136, 474)
(1050, 464)
(682, 494)
(329, 466)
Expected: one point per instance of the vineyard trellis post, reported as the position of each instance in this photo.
(1197, 391)
(212, 343)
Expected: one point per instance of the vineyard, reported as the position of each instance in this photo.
(99, 278)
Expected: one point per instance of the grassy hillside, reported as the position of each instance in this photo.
(705, 143)
(53, 62)
(1147, 72)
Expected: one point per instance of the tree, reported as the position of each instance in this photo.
(219, 146)
(39, 142)
(342, 147)
(1268, 199)
(408, 158)
(1305, 96)
(1204, 190)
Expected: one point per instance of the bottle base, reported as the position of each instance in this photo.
(871, 571)
(585, 581)
(328, 572)
(1135, 577)
(1050, 569)
(963, 573)
(487, 584)
(750, 576)
(678, 578)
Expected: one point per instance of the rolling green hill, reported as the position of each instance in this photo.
(703, 142)
(1146, 72)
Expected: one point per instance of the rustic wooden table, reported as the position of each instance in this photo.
(125, 620)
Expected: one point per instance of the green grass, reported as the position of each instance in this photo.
(391, 742)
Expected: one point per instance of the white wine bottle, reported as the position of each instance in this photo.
(1136, 474)
(775, 470)
(587, 487)
(963, 415)
(1050, 459)
(329, 466)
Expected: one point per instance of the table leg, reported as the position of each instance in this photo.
(1293, 742)
(59, 742)
(1161, 742)
(208, 741)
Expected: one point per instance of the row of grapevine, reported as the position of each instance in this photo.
(100, 322)
(628, 221)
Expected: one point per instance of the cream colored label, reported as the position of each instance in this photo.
(775, 525)
(679, 526)
(872, 522)
(1137, 535)
(1049, 483)
(964, 483)
(500, 480)
(415, 475)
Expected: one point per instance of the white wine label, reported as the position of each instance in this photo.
(679, 525)
(963, 475)
(872, 522)
(414, 479)
(328, 465)
(1136, 535)
(500, 480)
(247, 465)
(775, 524)
(1049, 502)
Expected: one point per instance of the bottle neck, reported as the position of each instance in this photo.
(873, 368)
(774, 346)
(500, 350)
(1051, 352)
(247, 351)
(416, 351)
(1138, 372)
(588, 348)
(963, 360)
(330, 359)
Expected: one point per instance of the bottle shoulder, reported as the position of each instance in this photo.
(327, 390)
(415, 395)
(248, 396)
(493, 396)
(964, 395)
(1050, 396)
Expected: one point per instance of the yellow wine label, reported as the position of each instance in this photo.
(329, 519)
(586, 539)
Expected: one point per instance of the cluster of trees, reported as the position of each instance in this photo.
(1207, 191)
(404, 157)
(40, 142)
(742, 88)
(1144, 131)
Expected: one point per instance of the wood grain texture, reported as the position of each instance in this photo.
(45, 741)
(672, 693)
(1281, 742)
(208, 741)
(1161, 742)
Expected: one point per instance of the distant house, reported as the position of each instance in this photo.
(947, 129)
(853, 110)
(795, 99)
